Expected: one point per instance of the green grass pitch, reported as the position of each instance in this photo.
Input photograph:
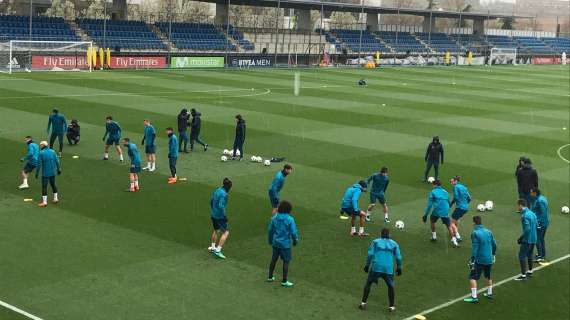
(103, 253)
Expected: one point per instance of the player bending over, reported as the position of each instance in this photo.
(461, 199)
(349, 206)
(172, 154)
(380, 183)
(483, 248)
(438, 208)
(276, 186)
(48, 164)
(135, 167)
(112, 137)
(58, 125)
(381, 255)
(148, 142)
(527, 240)
(31, 159)
(218, 204)
(73, 133)
(282, 234)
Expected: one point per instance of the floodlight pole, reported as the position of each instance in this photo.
(361, 31)
(30, 36)
(104, 23)
(228, 32)
(276, 29)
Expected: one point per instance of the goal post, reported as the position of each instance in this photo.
(37, 55)
(503, 56)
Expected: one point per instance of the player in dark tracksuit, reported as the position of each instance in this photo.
(183, 118)
(433, 158)
(195, 127)
(58, 126)
(240, 137)
(527, 179)
(73, 132)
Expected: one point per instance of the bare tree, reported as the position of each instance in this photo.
(61, 8)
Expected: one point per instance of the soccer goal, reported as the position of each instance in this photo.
(503, 56)
(28, 56)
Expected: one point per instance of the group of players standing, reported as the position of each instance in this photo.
(283, 232)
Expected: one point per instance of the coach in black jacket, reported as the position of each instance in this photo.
(183, 117)
(527, 178)
(195, 127)
(434, 156)
(240, 137)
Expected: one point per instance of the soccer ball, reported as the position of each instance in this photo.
(489, 205)
(399, 224)
(481, 207)
(565, 210)
(431, 179)
(259, 159)
(237, 152)
(226, 152)
(253, 158)
(266, 163)
(224, 158)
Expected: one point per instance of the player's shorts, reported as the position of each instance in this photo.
(149, 149)
(274, 199)
(283, 253)
(29, 167)
(374, 276)
(444, 220)
(380, 197)
(479, 269)
(350, 211)
(220, 224)
(458, 213)
(525, 251)
(135, 169)
(112, 141)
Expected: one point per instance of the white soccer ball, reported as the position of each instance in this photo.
(565, 210)
(224, 158)
(481, 207)
(399, 224)
(226, 152)
(489, 205)
(431, 179)
(253, 158)
(259, 159)
(266, 163)
(237, 152)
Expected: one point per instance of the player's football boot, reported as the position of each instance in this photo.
(172, 180)
(363, 234)
(391, 309)
(287, 284)
(471, 300)
(42, 204)
(362, 306)
(387, 220)
(270, 279)
(219, 254)
(23, 186)
(488, 296)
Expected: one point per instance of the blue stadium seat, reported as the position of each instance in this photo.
(122, 34)
(202, 36)
(43, 29)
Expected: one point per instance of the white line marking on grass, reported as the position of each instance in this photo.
(18, 310)
(559, 152)
(460, 299)
(267, 91)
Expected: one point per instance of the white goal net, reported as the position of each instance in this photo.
(22, 55)
(503, 56)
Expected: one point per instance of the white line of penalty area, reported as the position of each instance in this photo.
(18, 310)
(422, 315)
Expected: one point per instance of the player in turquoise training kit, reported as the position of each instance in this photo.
(148, 142)
(461, 199)
(438, 208)
(281, 235)
(276, 186)
(483, 249)
(172, 155)
(380, 183)
(380, 265)
(527, 240)
(540, 208)
(349, 206)
(218, 204)
(135, 167)
(48, 164)
(111, 137)
(31, 159)
(58, 125)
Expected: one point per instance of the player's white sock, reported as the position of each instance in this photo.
(44, 199)
(121, 157)
(386, 215)
(213, 246)
(136, 183)
(474, 293)
(153, 166)
(25, 182)
(361, 230)
(219, 249)
(106, 155)
(353, 230)
(457, 235)
(55, 197)
(147, 165)
(490, 290)
(132, 185)
(433, 235)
